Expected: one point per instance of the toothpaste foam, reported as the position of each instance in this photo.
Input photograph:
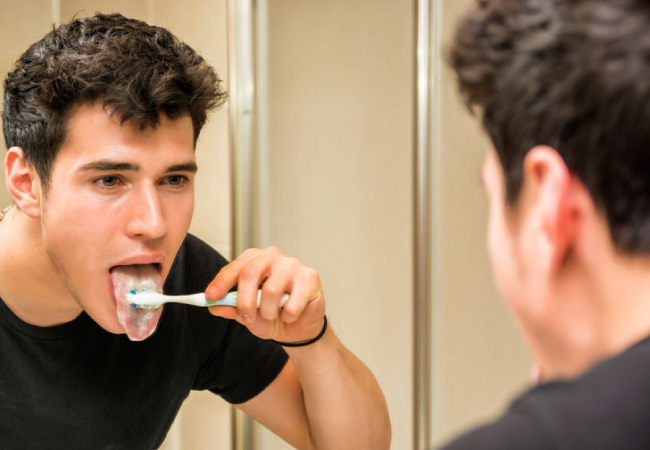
(139, 324)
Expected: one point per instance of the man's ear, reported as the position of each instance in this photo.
(551, 186)
(23, 183)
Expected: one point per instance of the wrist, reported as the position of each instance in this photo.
(307, 342)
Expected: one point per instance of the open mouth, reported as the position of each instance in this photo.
(139, 324)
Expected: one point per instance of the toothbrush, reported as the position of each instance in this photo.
(152, 300)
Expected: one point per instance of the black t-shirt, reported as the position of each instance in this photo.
(76, 386)
(608, 408)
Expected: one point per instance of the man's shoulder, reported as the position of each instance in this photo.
(606, 408)
(512, 431)
(194, 267)
(196, 248)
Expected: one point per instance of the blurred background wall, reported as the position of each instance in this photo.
(480, 360)
(337, 121)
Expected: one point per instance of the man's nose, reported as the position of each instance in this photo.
(146, 218)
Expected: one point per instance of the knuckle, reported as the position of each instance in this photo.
(312, 276)
(249, 253)
(248, 272)
(270, 289)
(274, 251)
(290, 261)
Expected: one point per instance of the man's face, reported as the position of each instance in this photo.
(117, 197)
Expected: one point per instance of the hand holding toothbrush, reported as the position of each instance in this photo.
(302, 316)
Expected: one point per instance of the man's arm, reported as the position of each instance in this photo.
(325, 397)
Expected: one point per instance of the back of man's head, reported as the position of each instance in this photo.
(573, 75)
(135, 70)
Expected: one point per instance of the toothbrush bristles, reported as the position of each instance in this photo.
(139, 306)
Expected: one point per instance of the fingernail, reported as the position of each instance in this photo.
(246, 318)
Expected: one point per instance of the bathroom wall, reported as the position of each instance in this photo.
(21, 23)
(479, 357)
(340, 122)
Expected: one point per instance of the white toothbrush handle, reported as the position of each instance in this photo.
(189, 299)
(144, 299)
(231, 299)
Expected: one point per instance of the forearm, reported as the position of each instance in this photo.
(324, 398)
(344, 405)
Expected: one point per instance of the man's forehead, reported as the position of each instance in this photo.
(96, 114)
(97, 141)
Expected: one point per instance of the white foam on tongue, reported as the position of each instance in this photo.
(139, 324)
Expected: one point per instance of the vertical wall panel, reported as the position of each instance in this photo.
(482, 361)
(340, 173)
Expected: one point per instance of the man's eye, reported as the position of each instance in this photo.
(108, 181)
(177, 180)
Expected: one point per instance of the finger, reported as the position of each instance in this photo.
(279, 282)
(227, 312)
(229, 274)
(251, 277)
(306, 288)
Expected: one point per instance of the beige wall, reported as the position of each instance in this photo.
(481, 361)
(340, 141)
(21, 23)
(204, 422)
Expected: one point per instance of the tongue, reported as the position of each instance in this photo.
(139, 324)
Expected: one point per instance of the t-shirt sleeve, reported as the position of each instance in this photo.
(232, 362)
(243, 367)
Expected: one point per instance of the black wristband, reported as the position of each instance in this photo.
(311, 341)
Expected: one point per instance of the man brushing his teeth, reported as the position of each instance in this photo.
(101, 117)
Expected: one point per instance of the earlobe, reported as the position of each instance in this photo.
(23, 183)
(552, 185)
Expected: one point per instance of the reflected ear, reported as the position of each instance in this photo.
(23, 183)
(552, 186)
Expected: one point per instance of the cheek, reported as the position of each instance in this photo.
(179, 213)
(74, 228)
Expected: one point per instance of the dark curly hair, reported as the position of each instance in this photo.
(574, 75)
(135, 70)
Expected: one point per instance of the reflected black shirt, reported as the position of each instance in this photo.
(77, 386)
(608, 408)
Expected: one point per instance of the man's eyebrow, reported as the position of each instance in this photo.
(185, 167)
(114, 166)
(110, 166)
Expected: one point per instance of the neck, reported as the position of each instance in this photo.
(29, 284)
(602, 314)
